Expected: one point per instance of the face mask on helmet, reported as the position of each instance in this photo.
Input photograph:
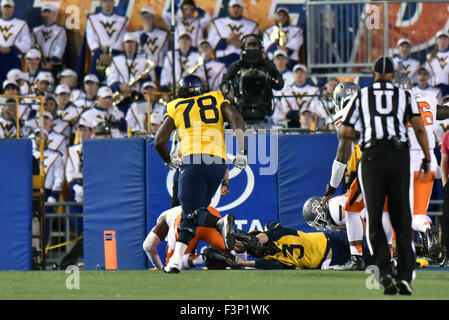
(343, 92)
(315, 216)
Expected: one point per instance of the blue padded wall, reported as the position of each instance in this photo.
(16, 204)
(305, 165)
(114, 188)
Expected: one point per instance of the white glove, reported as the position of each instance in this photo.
(240, 161)
(175, 162)
(79, 193)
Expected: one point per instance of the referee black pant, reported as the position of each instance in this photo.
(384, 170)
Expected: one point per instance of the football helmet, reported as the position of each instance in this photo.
(401, 80)
(315, 216)
(342, 93)
(190, 86)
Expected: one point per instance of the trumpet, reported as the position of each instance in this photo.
(195, 67)
(119, 97)
(279, 35)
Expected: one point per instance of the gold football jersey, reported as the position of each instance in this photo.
(199, 121)
(296, 248)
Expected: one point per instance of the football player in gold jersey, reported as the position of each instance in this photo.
(199, 116)
(286, 248)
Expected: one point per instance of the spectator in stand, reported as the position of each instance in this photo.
(300, 97)
(16, 40)
(281, 60)
(225, 33)
(284, 36)
(189, 18)
(104, 33)
(187, 61)
(441, 126)
(213, 70)
(91, 85)
(437, 63)
(70, 79)
(153, 41)
(33, 60)
(22, 80)
(403, 62)
(51, 38)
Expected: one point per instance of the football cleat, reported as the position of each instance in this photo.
(355, 263)
(389, 287)
(404, 287)
(226, 227)
(433, 245)
(172, 267)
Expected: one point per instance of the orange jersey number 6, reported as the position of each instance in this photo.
(426, 114)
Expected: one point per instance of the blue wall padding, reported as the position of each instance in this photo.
(114, 199)
(16, 204)
(305, 165)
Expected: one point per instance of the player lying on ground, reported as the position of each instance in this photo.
(167, 228)
(286, 248)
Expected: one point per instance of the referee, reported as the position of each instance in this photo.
(383, 111)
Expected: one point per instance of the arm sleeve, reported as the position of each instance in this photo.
(23, 41)
(351, 116)
(60, 45)
(91, 36)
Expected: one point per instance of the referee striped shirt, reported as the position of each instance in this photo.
(382, 112)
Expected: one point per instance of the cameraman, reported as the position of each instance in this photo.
(249, 83)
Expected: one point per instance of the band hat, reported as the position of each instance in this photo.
(148, 10)
(185, 35)
(300, 66)
(235, 2)
(48, 115)
(62, 88)
(422, 68)
(8, 82)
(16, 75)
(441, 33)
(83, 122)
(149, 84)
(33, 53)
(202, 41)
(49, 6)
(8, 3)
(402, 40)
(91, 77)
(283, 9)
(280, 52)
(105, 92)
(130, 36)
(68, 73)
(45, 76)
(384, 65)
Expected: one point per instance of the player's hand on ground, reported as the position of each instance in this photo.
(240, 161)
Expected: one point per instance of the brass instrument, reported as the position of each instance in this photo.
(279, 35)
(119, 97)
(195, 67)
(100, 67)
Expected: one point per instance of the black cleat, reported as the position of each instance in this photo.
(355, 263)
(433, 244)
(404, 287)
(226, 227)
(389, 287)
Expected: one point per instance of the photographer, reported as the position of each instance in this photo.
(249, 82)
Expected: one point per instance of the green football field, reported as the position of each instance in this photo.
(209, 285)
